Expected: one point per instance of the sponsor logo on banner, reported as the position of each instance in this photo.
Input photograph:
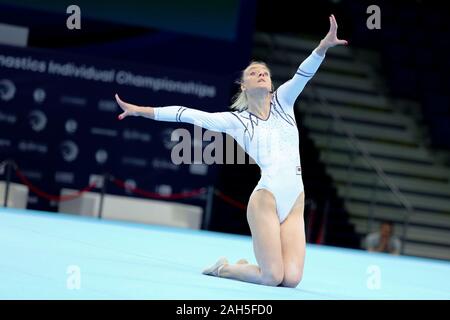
(95, 131)
(37, 120)
(7, 117)
(39, 95)
(101, 156)
(64, 177)
(34, 175)
(97, 179)
(71, 126)
(108, 106)
(31, 146)
(158, 163)
(7, 90)
(131, 134)
(134, 162)
(32, 200)
(75, 101)
(164, 189)
(129, 185)
(198, 169)
(69, 150)
(5, 143)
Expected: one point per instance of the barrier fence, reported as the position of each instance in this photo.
(11, 166)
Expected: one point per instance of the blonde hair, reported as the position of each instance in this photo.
(240, 102)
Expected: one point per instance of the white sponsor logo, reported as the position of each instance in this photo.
(136, 135)
(32, 174)
(64, 177)
(108, 106)
(37, 120)
(69, 150)
(71, 126)
(97, 179)
(130, 184)
(136, 162)
(104, 132)
(7, 90)
(5, 143)
(164, 190)
(73, 100)
(164, 164)
(101, 156)
(30, 146)
(199, 169)
(6, 117)
(32, 200)
(39, 95)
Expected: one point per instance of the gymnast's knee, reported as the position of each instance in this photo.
(273, 276)
(292, 279)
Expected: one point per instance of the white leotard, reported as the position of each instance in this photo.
(273, 143)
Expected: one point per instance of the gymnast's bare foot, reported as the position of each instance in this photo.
(215, 268)
(242, 261)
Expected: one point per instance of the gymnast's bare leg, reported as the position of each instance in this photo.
(279, 249)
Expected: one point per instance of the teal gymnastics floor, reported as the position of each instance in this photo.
(58, 256)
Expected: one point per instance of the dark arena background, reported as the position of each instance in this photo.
(95, 208)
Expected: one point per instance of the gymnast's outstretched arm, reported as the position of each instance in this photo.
(216, 121)
(290, 90)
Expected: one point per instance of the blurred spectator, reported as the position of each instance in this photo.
(383, 240)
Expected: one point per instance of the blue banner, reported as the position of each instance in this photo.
(58, 121)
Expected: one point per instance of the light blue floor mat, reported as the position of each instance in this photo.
(58, 256)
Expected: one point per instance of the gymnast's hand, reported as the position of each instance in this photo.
(128, 108)
(331, 39)
(134, 110)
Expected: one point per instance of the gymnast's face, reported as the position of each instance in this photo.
(257, 78)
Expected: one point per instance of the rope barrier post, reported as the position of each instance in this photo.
(8, 165)
(102, 195)
(208, 209)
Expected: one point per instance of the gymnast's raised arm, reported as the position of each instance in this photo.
(216, 121)
(290, 90)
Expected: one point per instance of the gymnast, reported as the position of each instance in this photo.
(270, 136)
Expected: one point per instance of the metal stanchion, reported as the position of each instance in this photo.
(8, 165)
(102, 194)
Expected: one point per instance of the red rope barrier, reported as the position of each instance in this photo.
(156, 195)
(52, 197)
(231, 201)
(123, 185)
